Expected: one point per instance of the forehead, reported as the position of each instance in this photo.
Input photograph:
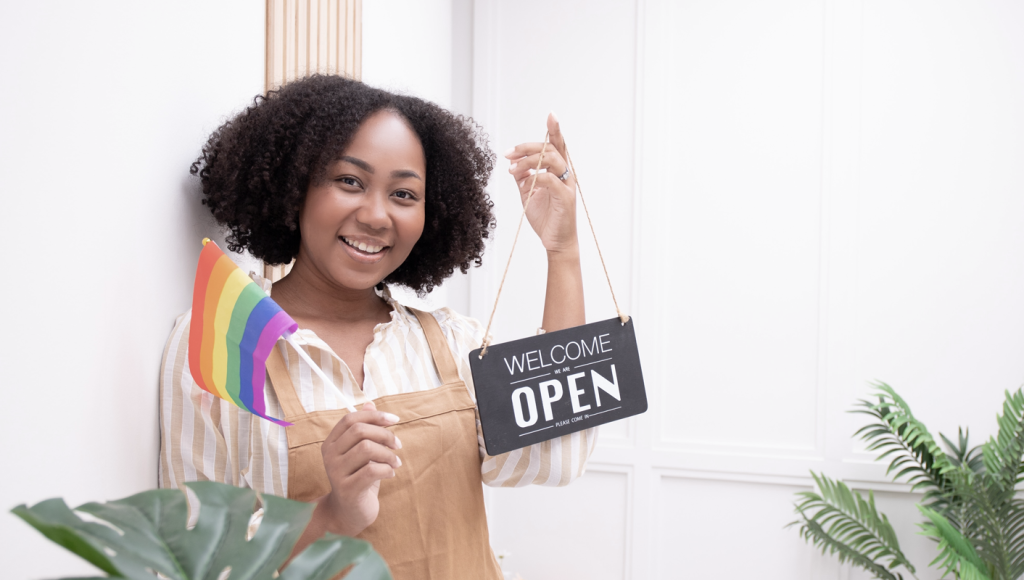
(386, 139)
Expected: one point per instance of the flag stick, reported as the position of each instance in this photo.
(316, 369)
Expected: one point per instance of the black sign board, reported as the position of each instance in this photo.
(542, 387)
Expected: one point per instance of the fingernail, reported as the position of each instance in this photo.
(522, 182)
(398, 443)
(513, 166)
(510, 152)
(553, 116)
(390, 417)
(399, 460)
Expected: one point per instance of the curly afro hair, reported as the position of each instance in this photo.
(256, 168)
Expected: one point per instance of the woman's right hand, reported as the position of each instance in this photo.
(358, 454)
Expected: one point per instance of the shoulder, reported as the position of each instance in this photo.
(463, 333)
(463, 328)
(177, 342)
(174, 366)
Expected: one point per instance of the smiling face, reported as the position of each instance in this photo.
(361, 221)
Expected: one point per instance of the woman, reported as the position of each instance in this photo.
(363, 188)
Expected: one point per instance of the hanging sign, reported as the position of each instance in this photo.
(542, 387)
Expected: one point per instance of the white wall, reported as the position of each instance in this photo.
(795, 198)
(105, 105)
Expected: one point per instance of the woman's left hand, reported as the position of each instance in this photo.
(552, 211)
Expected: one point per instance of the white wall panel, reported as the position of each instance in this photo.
(825, 193)
(735, 530)
(570, 532)
(741, 198)
(941, 264)
(106, 105)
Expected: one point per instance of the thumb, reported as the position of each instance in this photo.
(555, 134)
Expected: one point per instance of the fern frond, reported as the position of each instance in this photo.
(915, 453)
(956, 554)
(813, 533)
(991, 510)
(1002, 454)
(1014, 527)
(962, 454)
(842, 522)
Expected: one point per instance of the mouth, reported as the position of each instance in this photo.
(364, 252)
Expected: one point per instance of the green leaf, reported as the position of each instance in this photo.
(956, 554)
(59, 524)
(322, 560)
(915, 453)
(147, 533)
(1002, 454)
(840, 521)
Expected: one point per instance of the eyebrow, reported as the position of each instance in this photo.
(358, 163)
(403, 173)
(398, 173)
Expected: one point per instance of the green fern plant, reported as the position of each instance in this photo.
(970, 505)
(146, 537)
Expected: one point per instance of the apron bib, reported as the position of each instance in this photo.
(431, 522)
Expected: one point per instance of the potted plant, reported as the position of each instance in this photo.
(970, 504)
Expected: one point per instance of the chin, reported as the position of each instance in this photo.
(355, 284)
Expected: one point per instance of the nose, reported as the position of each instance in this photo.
(373, 212)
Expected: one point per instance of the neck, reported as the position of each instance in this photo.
(309, 294)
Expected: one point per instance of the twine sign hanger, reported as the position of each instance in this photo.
(543, 387)
(593, 232)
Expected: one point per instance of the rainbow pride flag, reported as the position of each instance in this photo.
(234, 327)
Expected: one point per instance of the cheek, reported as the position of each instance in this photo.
(320, 214)
(310, 212)
(413, 225)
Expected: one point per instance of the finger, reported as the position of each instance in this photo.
(370, 473)
(368, 414)
(364, 431)
(555, 135)
(551, 161)
(545, 182)
(545, 179)
(362, 453)
(524, 149)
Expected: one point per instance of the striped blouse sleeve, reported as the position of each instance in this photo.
(551, 463)
(193, 423)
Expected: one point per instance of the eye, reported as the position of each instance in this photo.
(405, 194)
(349, 181)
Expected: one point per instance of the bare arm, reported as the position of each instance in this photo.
(563, 301)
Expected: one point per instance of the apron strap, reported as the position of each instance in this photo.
(443, 359)
(281, 381)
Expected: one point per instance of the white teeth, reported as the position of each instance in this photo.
(363, 246)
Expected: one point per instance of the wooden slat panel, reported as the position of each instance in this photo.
(313, 36)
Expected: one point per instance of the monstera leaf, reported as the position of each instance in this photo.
(146, 537)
